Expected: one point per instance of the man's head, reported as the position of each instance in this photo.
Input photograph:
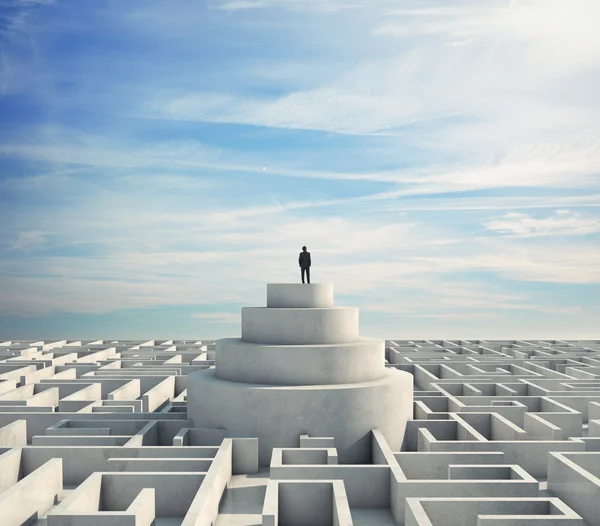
(303, 249)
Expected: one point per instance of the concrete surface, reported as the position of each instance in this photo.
(503, 432)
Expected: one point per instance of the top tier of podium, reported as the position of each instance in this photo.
(299, 314)
(299, 295)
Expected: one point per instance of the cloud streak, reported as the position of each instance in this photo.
(561, 223)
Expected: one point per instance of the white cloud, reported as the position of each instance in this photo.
(461, 316)
(510, 100)
(498, 202)
(27, 3)
(218, 317)
(53, 145)
(16, 44)
(27, 240)
(561, 223)
(565, 263)
(402, 266)
(500, 72)
(177, 165)
(293, 5)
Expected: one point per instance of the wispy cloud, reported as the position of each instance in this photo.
(486, 103)
(28, 239)
(562, 222)
(294, 5)
(218, 317)
(561, 167)
(493, 86)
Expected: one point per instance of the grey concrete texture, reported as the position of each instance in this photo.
(498, 433)
(278, 415)
(295, 296)
(340, 390)
(304, 326)
(359, 361)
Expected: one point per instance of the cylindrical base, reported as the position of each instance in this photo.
(278, 415)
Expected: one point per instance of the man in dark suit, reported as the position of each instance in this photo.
(304, 262)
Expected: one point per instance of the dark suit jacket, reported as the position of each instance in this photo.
(304, 259)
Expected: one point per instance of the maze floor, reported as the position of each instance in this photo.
(96, 433)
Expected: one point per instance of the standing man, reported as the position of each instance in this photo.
(304, 262)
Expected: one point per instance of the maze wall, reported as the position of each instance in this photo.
(96, 433)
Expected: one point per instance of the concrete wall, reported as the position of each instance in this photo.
(79, 463)
(366, 486)
(531, 455)
(574, 478)
(130, 390)
(158, 395)
(85, 499)
(83, 508)
(14, 434)
(298, 503)
(10, 468)
(147, 436)
(174, 492)
(245, 456)
(33, 495)
(302, 503)
(205, 506)
(489, 512)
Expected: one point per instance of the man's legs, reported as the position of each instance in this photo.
(308, 274)
(302, 271)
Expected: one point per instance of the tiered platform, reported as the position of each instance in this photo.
(301, 368)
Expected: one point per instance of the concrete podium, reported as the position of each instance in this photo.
(301, 368)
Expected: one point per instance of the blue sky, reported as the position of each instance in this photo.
(161, 161)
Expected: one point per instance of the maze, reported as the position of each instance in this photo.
(97, 433)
